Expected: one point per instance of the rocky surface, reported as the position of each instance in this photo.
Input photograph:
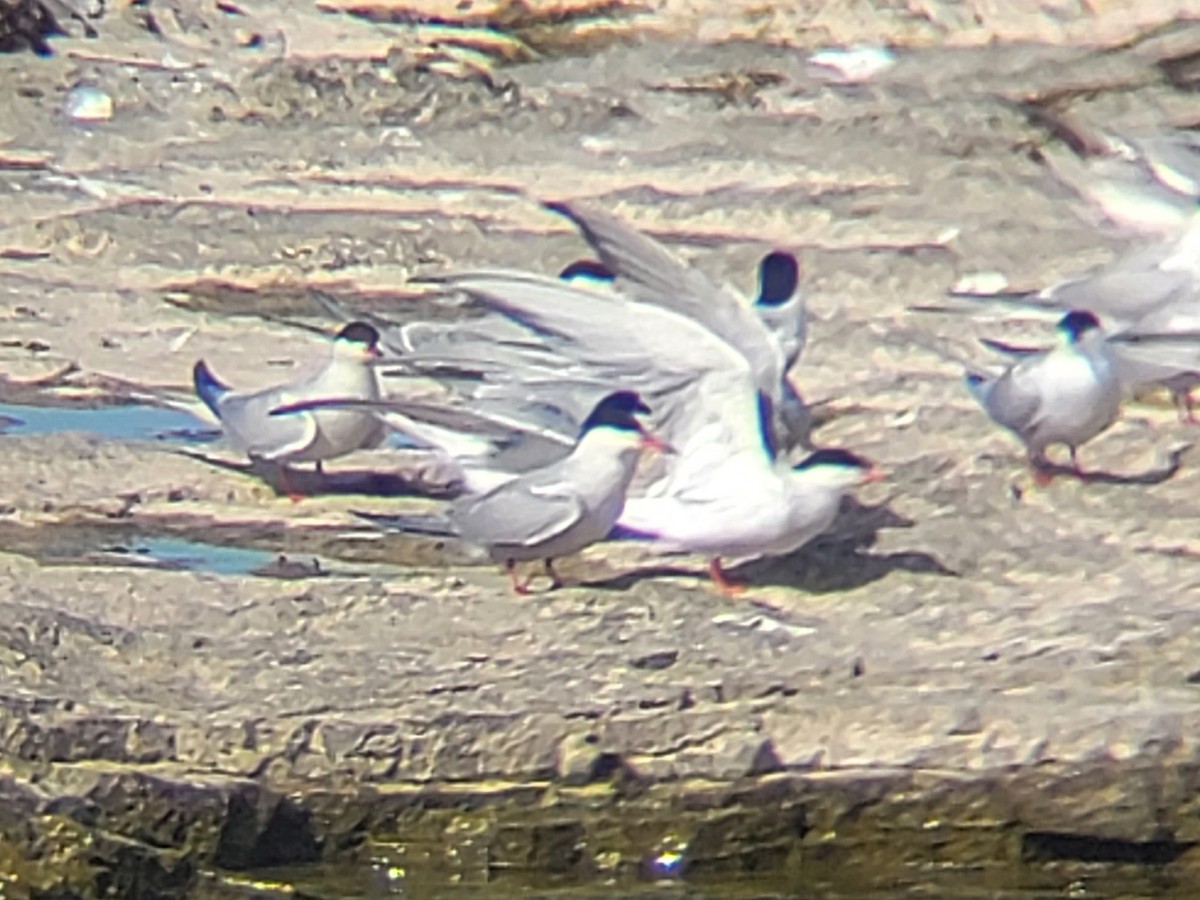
(965, 675)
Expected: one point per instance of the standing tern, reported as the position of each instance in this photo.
(1064, 395)
(313, 436)
(559, 509)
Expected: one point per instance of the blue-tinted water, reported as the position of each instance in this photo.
(126, 422)
(198, 556)
(133, 422)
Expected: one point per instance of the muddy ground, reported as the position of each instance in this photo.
(965, 675)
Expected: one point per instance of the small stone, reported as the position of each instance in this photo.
(981, 284)
(88, 103)
(853, 65)
(661, 659)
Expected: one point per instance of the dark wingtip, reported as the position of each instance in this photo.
(627, 533)
(209, 387)
(562, 207)
(778, 277)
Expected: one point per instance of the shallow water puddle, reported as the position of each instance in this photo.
(184, 554)
(126, 422)
(193, 556)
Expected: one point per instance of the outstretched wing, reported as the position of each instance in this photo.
(652, 274)
(620, 343)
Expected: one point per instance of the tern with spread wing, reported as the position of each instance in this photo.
(1065, 395)
(725, 482)
(770, 333)
(314, 436)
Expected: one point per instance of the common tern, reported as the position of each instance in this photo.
(770, 332)
(790, 510)
(1065, 395)
(559, 509)
(313, 436)
(780, 302)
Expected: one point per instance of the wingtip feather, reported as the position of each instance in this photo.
(209, 388)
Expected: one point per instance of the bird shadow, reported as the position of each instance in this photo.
(344, 482)
(837, 561)
(1150, 476)
(841, 560)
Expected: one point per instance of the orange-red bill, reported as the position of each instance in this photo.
(652, 441)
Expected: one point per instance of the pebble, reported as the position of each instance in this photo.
(87, 103)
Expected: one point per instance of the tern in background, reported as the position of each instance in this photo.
(1064, 395)
(313, 436)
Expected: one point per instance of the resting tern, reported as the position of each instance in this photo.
(314, 436)
(559, 509)
(1064, 395)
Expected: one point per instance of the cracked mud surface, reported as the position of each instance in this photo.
(1006, 678)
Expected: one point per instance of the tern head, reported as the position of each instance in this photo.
(358, 340)
(617, 415)
(778, 277)
(839, 469)
(1075, 324)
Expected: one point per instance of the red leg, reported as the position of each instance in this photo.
(519, 587)
(555, 581)
(286, 483)
(1040, 468)
(724, 585)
